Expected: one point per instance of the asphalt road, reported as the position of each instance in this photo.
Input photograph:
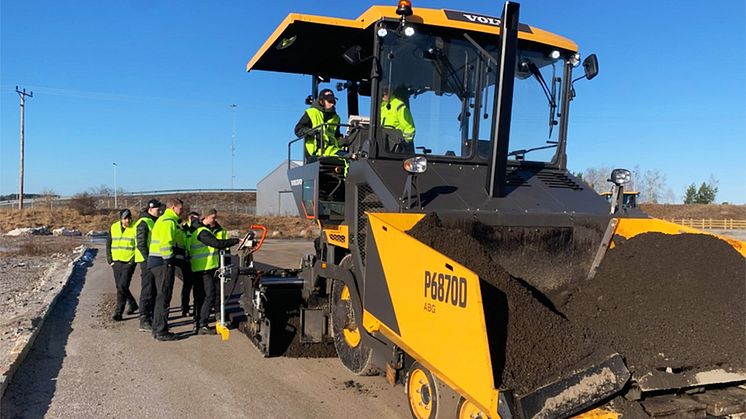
(84, 365)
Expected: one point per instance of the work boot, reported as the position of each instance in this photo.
(117, 317)
(145, 327)
(206, 331)
(133, 308)
(166, 337)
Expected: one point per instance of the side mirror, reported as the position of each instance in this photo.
(353, 55)
(590, 66)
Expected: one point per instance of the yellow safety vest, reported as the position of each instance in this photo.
(203, 257)
(330, 144)
(395, 114)
(122, 242)
(166, 235)
(139, 257)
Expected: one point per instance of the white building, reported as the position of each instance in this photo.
(273, 193)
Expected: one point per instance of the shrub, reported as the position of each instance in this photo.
(83, 203)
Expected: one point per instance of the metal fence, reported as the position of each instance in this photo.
(709, 223)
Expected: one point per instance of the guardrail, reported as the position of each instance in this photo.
(709, 223)
(178, 191)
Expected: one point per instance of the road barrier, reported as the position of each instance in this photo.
(709, 223)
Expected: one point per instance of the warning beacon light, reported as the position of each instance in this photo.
(404, 9)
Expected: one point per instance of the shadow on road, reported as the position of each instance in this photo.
(33, 386)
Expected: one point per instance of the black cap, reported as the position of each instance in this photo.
(125, 213)
(154, 203)
(328, 95)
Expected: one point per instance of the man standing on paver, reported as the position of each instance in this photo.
(205, 244)
(166, 242)
(120, 253)
(143, 227)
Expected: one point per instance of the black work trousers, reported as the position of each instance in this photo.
(164, 286)
(205, 296)
(123, 272)
(147, 293)
(186, 286)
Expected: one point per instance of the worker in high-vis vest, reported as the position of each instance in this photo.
(120, 253)
(395, 114)
(187, 278)
(319, 126)
(143, 227)
(166, 244)
(204, 254)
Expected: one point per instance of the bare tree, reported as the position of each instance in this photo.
(47, 197)
(636, 182)
(102, 191)
(84, 203)
(597, 178)
(652, 186)
(669, 197)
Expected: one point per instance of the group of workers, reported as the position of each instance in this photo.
(319, 125)
(159, 243)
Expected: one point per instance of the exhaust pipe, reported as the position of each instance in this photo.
(503, 102)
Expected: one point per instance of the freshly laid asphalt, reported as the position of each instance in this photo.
(84, 365)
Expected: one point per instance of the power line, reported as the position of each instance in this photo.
(22, 94)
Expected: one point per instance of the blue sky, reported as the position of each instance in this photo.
(124, 81)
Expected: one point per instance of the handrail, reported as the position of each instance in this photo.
(315, 130)
(289, 147)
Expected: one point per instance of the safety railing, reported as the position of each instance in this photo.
(710, 223)
(316, 132)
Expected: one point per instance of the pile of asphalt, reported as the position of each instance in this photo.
(667, 301)
(661, 301)
(531, 342)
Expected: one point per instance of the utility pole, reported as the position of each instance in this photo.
(22, 94)
(233, 142)
(116, 205)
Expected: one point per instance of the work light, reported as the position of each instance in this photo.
(415, 164)
(620, 176)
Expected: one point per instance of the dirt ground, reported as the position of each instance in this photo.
(716, 212)
(31, 272)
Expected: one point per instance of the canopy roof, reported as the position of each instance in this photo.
(307, 44)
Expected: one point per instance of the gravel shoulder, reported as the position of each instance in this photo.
(28, 284)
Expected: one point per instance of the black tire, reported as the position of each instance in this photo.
(355, 355)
